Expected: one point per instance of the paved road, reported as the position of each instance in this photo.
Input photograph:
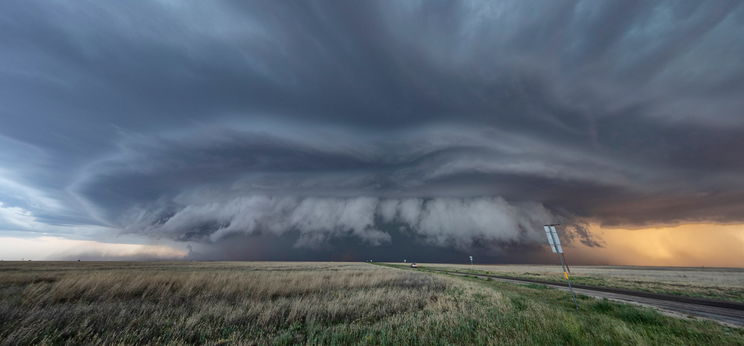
(724, 312)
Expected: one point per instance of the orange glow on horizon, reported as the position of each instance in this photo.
(692, 245)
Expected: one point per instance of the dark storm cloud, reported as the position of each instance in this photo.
(454, 123)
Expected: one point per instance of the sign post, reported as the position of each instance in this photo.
(555, 245)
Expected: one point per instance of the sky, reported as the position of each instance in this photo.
(355, 130)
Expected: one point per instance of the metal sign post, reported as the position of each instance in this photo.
(555, 245)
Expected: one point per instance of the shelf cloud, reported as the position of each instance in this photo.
(317, 126)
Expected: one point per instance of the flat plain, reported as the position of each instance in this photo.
(712, 283)
(310, 303)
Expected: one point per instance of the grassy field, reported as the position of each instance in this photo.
(713, 283)
(311, 303)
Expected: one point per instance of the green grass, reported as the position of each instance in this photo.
(734, 294)
(310, 303)
(598, 321)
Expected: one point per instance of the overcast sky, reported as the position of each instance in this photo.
(355, 129)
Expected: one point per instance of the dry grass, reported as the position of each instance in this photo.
(714, 283)
(257, 299)
(311, 303)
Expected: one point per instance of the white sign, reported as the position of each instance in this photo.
(555, 243)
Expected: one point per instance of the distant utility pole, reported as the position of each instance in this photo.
(471, 260)
(555, 245)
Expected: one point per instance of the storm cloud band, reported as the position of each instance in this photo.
(198, 121)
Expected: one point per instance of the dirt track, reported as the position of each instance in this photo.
(729, 313)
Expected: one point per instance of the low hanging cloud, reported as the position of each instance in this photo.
(448, 186)
(455, 124)
(456, 222)
(285, 180)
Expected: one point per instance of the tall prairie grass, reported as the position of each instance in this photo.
(309, 303)
(187, 302)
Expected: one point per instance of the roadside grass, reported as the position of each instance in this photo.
(599, 321)
(692, 289)
(312, 303)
